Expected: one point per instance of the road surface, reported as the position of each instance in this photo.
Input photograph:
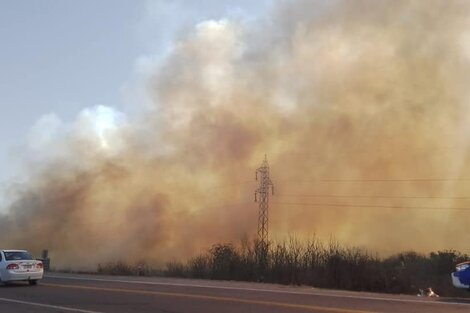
(112, 294)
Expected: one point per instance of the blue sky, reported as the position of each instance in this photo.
(63, 56)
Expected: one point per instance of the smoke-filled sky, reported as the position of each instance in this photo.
(361, 107)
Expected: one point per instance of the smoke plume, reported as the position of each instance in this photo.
(350, 98)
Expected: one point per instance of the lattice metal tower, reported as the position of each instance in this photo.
(262, 194)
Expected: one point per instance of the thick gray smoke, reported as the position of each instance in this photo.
(354, 90)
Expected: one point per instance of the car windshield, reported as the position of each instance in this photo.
(17, 255)
(463, 267)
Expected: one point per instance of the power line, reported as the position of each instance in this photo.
(377, 180)
(373, 196)
(371, 206)
(232, 185)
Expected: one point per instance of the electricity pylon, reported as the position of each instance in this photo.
(262, 194)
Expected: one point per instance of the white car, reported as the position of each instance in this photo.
(19, 265)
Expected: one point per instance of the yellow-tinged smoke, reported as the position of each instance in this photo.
(350, 90)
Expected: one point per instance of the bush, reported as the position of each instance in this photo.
(122, 268)
(325, 266)
(115, 268)
(312, 263)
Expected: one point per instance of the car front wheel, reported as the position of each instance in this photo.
(33, 282)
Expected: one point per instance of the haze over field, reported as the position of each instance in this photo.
(356, 91)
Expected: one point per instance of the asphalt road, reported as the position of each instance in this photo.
(93, 294)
